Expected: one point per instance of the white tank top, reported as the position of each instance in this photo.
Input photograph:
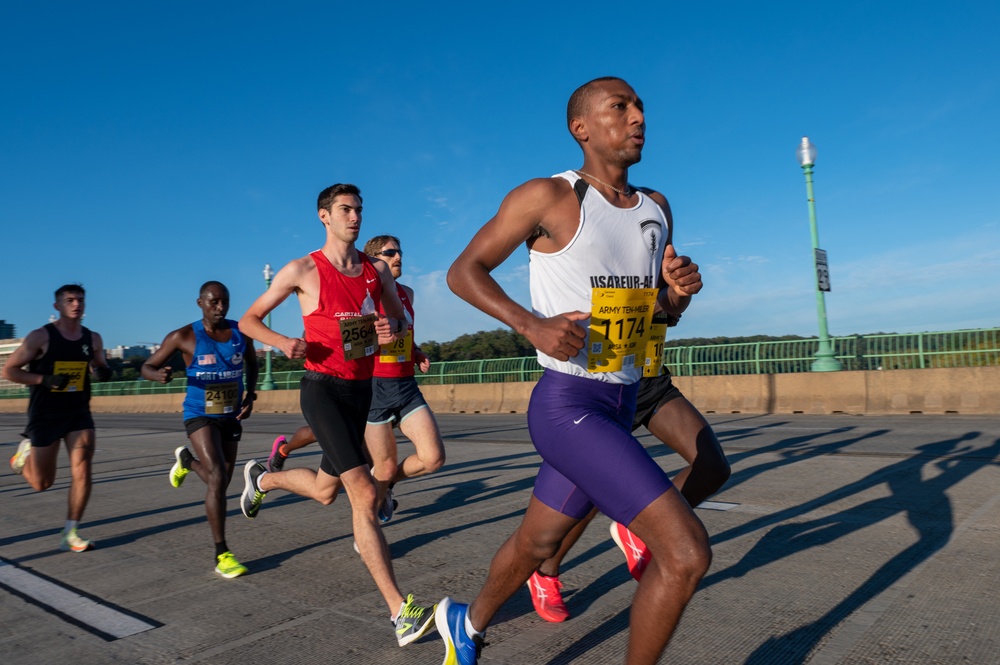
(613, 249)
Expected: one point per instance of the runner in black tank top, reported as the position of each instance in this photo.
(60, 358)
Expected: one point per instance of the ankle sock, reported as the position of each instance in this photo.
(71, 525)
(469, 630)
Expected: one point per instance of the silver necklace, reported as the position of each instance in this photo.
(626, 193)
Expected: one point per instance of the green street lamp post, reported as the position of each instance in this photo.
(268, 383)
(825, 359)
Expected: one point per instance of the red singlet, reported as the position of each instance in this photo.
(340, 333)
(396, 360)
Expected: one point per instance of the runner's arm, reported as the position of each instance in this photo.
(252, 323)
(251, 371)
(679, 277)
(520, 217)
(99, 363)
(31, 348)
(154, 368)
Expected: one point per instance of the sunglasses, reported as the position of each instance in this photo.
(391, 253)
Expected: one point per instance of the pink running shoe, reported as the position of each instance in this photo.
(546, 597)
(636, 553)
(276, 461)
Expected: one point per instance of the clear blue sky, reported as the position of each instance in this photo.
(148, 147)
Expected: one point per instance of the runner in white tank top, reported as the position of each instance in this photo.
(613, 248)
(577, 313)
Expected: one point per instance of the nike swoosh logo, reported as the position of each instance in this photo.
(577, 422)
(369, 280)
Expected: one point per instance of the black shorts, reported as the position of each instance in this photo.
(230, 429)
(393, 399)
(44, 431)
(336, 409)
(654, 392)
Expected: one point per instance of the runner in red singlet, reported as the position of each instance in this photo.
(338, 289)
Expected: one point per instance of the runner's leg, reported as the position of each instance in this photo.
(681, 427)
(214, 469)
(362, 494)
(80, 445)
(681, 556)
(317, 485)
(40, 469)
(536, 539)
(422, 429)
(380, 444)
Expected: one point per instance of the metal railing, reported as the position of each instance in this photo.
(957, 348)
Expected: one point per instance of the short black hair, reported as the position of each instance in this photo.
(70, 288)
(212, 282)
(577, 104)
(326, 197)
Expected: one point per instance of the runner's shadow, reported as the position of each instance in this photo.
(917, 488)
(924, 502)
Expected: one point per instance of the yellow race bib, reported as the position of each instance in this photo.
(398, 351)
(76, 370)
(654, 349)
(358, 336)
(221, 398)
(620, 327)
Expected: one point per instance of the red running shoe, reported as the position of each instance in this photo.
(636, 553)
(546, 597)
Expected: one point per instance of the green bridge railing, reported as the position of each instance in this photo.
(957, 348)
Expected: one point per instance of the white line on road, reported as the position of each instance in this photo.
(105, 621)
(717, 505)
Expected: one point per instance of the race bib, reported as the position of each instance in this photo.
(358, 336)
(221, 398)
(398, 351)
(654, 349)
(76, 370)
(620, 328)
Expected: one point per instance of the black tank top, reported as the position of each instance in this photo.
(63, 356)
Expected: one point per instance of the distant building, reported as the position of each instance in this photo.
(126, 352)
(7, 347)
(7, 330)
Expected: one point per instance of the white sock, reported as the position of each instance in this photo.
(469, 630)
(260, 478)
(70, 525)
(399, 611)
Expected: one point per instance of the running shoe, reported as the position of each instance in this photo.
(276, 462)
(413, 621)
(459, 648)
(636, 553)
(180, 469)
(20, 458)
(72, 542)
(388, 505)
(546, 597)
(228, 566)
(252, 496)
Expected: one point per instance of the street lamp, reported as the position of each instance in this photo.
(268, 383)
(825, 360)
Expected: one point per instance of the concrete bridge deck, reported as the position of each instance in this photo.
(850, 539)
